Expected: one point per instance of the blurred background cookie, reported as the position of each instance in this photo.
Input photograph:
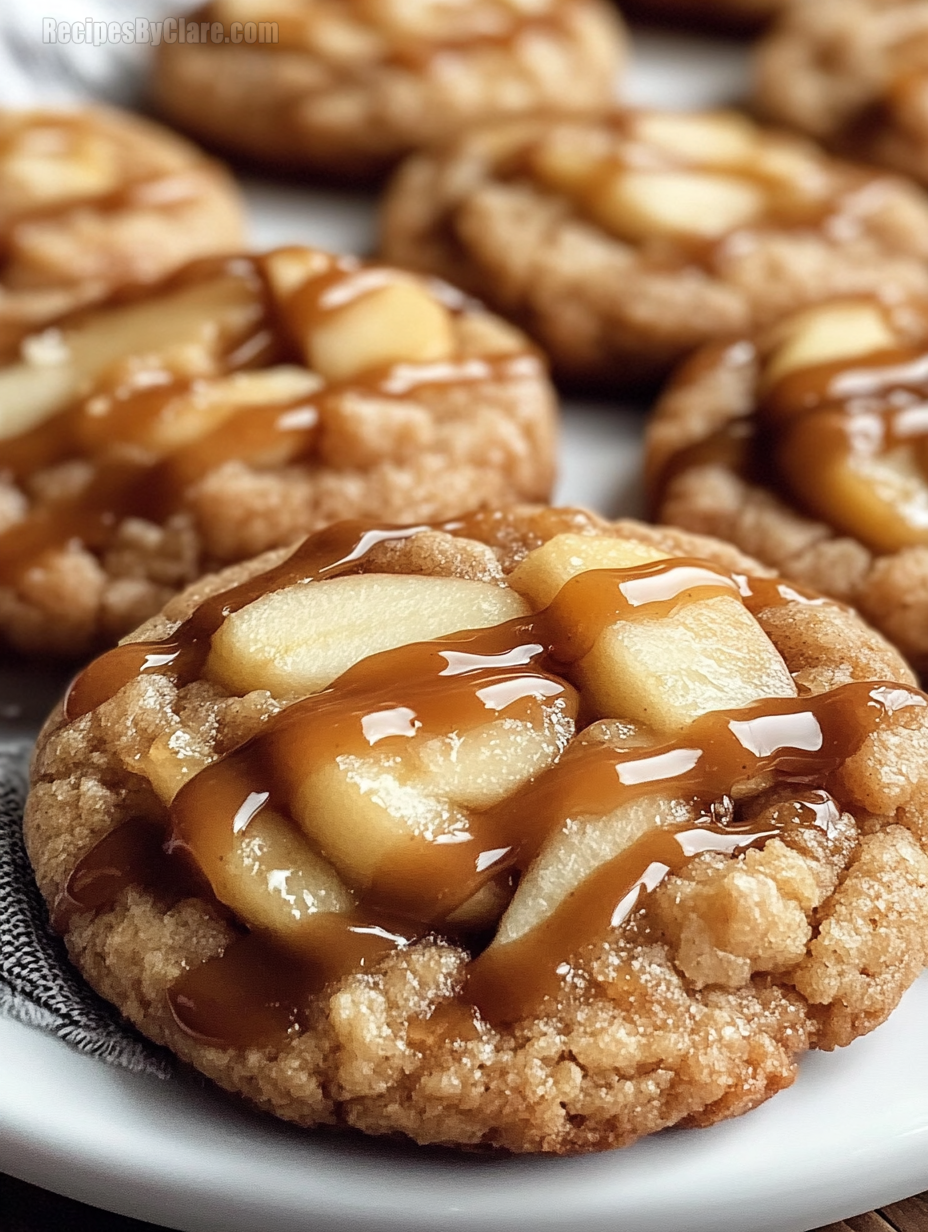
(349, 86)
(620, 242)
(808, 447)
(854, 74)
(233, 408)
(93, 199)
(366, 869)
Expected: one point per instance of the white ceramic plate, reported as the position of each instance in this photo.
(850, 1135)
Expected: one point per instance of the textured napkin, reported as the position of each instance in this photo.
(38, 985)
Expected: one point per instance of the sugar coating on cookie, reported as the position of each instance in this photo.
(854, 74)
(622, 242)
(609, 859)
(808, 447)
(347, 87)
(233, 408)
(91, 200)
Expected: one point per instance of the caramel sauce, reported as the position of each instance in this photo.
(262, 987)
(816, 437)
(837, 419)
(255, 993)
(119, 429)
(509, 980)
(136, 853)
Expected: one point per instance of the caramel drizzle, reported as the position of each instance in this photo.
(842, 413)
(338, 549)
(112, 429)
(455, 684)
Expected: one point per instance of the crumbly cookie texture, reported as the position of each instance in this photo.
(350, 86)
(233, 408)
(806, 447)
(91, 200)
(624, 241)
(853, 74)
(695, 1009)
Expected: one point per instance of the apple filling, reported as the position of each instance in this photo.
(843, 410)
(515, 765)
(238, 360)
(684, 178)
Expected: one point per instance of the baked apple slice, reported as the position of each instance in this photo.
(709, 654)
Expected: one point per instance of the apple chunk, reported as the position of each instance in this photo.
(49, 163)
(296, 641)
(716, 138)
(31, 393)
(187, 416)
(710, 654)
(193, 324)
(397, 322)
(425, 794)
(636, 205)
(270, 875)
(573, 853)
(879, 498)
(846, 329)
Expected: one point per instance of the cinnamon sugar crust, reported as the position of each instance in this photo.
(697, 1009)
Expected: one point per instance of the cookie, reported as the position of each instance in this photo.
(853, 74)
(808, 447)
(232, 409)
(91, 200)
(610, 860)
(622, 242)
(347, 88)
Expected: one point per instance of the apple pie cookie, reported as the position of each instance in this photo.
(232, 409)
(808, 447)
(854, 74)
(523, 830)
(624, 241)
(93, 199)
(349, 86)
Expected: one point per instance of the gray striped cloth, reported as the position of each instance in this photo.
(38, 985)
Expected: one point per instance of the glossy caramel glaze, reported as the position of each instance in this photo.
(517, 670)
(821, 436)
